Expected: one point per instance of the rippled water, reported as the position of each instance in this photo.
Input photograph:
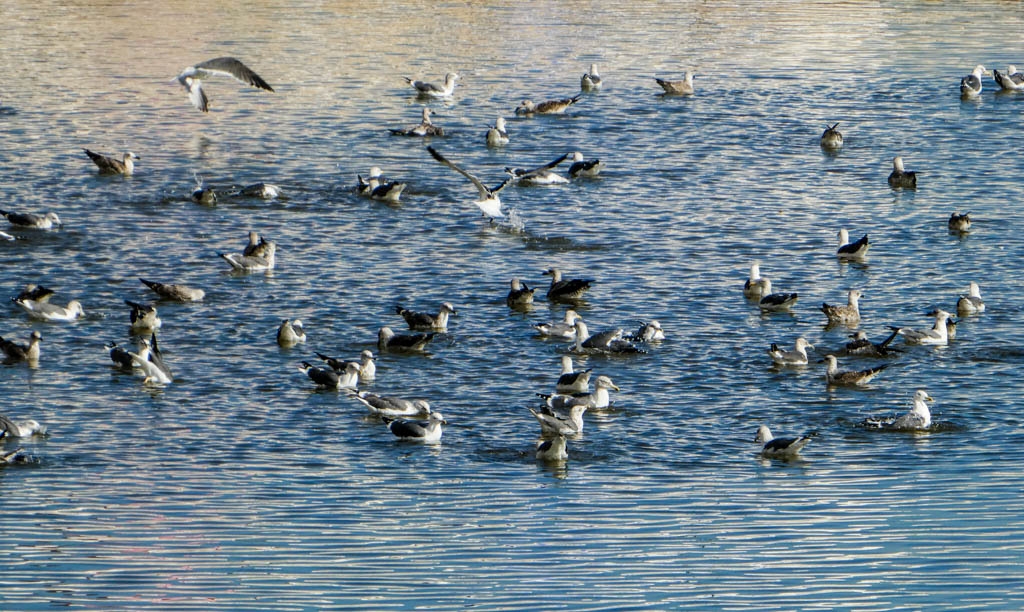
(239, 486)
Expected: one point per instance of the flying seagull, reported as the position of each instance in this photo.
(191, 78)
(489, 202)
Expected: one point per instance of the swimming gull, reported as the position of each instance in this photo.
(959, 223)
(753, 288)
(191, 78)
(36, 293)
(497, 135)
(677, 88)
(424, 321)
(556, 423)
(390, 191)
(541, 175)
(900, 178)
(203, 195)
(584, 168)
(329, 378)
(848, 314)
(120, 356)
(970, 85)
(572, 381)
(290, 333)
(599, 398)
(567, 290)
(392, 407)
(938, 334)
(835, 376)
(425, 128)
(150, 361)
(15, 456)
(110, 165)
(861, 346)
(648, 332)
(779, 448)
(366, 365)
(1011, 81)
(253, 263)
(45, 311)
(608, 341)
(178, 293)
(519, 294)
(548, 107)
(15, 352)
(489, 202)
(427, 432)
(852, 251)
(775, 302)
(366, 186)
(389, 341)
(566, 328)
(971, 303)
(264, 191)
(258, 246)
(25, 428)
(919, 417)
(430, 90)
(31, 220)
(795, 357)
(591, 81)
(552, 449)
(831, 138)
(143, 316)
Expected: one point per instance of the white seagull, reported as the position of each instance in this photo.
(519, 294)
(191, 78)
(565, 329)
(795, 357)
(1011, 81)
(775, 302)
(252, 263)
(497, 135)
(852, 251)
(178, 293)
(554, 423)
(427, 432)
(290, 333)
(552, 449)
(971, 303)
(45, 311)
(541, 175)
(970, 85)
(572, 381)
(919, 417)
(901, 178)
(753, 288)
(423, 321)
(31, 220)
(489, 202)
(599, 398)
(584, 168)
(591, 81)
(392, 407)
(937, 335)
(430, 90)
(143, 316)
(779, 448)
(25, 428)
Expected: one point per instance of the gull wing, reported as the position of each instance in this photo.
(484, 191)
(235, 69)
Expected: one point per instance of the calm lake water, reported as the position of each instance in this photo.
(240, 486)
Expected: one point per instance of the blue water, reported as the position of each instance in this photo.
(239, 486)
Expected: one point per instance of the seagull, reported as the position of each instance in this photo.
(178, 293)
(203, 195)
(151, 362)
(548, 107)
(392, 407)
(677, 88)
(25, 428)
(847, 315)
(568, 290)
(121, 357)
(496, 134)
(1011, 81)
(970, 85)
(425, 127)
(519, 294)
(852, 251)
(753, 288)
(252, 263)
(774, 302)
(554, 423)
(426, 321)
(779, 448)
(6, 236)
(570, 381)
(591, 81)
(143, 316)
(582, 168)
(427, 432)
(429, 90)
(328, 378)
(387, 340)
(552, 449)
(971, 303)
(831, 138)
(36, 293)
(264, 191)
(366, 365)
(31, 220)
(959, 223)
(541, 175)
(938, 334)
(848, 377)
(290, 333)
(258, 246)
(648, 332)
(15, 352)
(489, 202)
(388, 191)
(14, 457)
(861, 346)
(609, 341)
(366, 186)
(45, 311)
(191, 78)
(795, 357)
(565, 329)
(598, 399)
(900, 178)
(919, 417)
(110, 165)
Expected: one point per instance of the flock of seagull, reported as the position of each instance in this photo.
(559, 414)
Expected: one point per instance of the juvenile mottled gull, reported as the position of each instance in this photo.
(427, 432)
(489, 202)
(568, 289)
(959, 223)
(425, 128)
(24, 428)
(591, 81)
(677, 88)
(552, 449)
(548, 107)
(570, 381)
(191, 78)
(387, 340)
(566, 328)
(848, 314)
(834, 376)
(424, 321)
(831, 138)
(779, 448)
(519, 294)
(393, 407)
(541, 175)
(178, 293)
(938, 334)
(900, 178)
(433, 91)
(775, 302)
(971, 303)
(795, 357)
(110, 165)
(143, 316)
(15, 352)
(497, 135)
(584, 168)
(290, 333)
(852, 251)
(970, 85)
(1011, 81)
(31, 220)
